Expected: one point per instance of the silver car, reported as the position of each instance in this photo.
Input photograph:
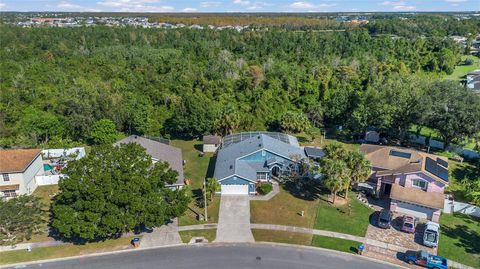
(431, 234)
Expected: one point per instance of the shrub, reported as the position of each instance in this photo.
(265, 188)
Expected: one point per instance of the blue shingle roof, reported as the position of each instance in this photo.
(228, 163)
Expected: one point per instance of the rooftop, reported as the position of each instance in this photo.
(160, 152)
(395, 160)
(17, 160)
(228, 162)
(417, 196)
(212, 139)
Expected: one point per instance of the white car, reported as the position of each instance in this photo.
(431, 234)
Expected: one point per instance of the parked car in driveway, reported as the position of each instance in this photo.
(408, 224)
(430, 236)
(385, 219)
(425, 259)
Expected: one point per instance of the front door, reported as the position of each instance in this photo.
(275, 171)
(387, 189)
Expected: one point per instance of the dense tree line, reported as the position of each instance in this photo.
(57, 84)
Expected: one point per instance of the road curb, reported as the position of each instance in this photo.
(331, 250)
(21, 264)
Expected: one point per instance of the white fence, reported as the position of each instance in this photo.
(422, 140)
(467, 209)
(56, 153)
(47, 180)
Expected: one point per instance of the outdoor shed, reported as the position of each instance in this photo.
(211, 143)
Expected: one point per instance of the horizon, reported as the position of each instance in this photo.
(240, 6)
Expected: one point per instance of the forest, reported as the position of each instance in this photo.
(56, 83)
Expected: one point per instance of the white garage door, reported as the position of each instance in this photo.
(235, 189)
(414, 210)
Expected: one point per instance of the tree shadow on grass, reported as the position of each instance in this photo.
(199, 147)
(468, 239)
(211, 167)
(306, 192)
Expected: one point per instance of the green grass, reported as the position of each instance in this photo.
(282, 237)
(460, 239)
(305, 240)
(46, 193)
(208, 234)
(285, 209)
(196, 169)
(339, 244)
(17, 256)
(425, 131)
(340, 219)
(461, 70)
(457, 172)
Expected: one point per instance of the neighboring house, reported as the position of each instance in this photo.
(247, 158)
(18, 169)
(413, 180)
(211, 143)
(160, 152)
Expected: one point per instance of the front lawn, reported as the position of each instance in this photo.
(282, 237)
(196, 169)
(461, 70)
(339, 244)
(460, 239)
(285, 209)
(208, 234)
(459, 171)
(342, 219)
(42, 253)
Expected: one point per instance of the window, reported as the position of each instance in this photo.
(6, 177)
(419, 183)
(261, 176)
(9, 194)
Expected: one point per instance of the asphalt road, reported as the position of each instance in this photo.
(241, 256)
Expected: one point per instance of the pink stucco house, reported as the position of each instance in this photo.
(413, 180)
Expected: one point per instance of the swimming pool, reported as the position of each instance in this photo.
(47, 167)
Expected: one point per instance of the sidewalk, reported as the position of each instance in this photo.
(50, 243)
(163, 236)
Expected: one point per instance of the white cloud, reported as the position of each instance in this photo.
(404, 8)
(241, 2)
(67, 6)
(309, 6)
(455, 1)
(2, 5)
(210, 4)
(136, 6)
(301, 5)
(258, 5)
(400, 5)
(189, 9)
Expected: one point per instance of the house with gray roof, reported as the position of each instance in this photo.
(160, 152)
(247, 158)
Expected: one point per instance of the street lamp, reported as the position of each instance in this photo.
(205, 198)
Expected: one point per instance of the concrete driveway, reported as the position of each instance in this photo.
(234, 219)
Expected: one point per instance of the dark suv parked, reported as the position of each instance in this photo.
(384, 219)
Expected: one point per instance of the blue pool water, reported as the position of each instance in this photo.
(47, 167)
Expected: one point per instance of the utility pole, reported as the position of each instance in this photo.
(205, 198)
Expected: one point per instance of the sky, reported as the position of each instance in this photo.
(239, 5)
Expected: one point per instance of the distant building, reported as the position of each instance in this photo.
(211, 143)
(18, 169)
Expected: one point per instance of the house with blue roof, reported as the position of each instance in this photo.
(248, 158)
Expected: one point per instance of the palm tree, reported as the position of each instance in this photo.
(212, 187)
(335, 175)
(359, 169)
